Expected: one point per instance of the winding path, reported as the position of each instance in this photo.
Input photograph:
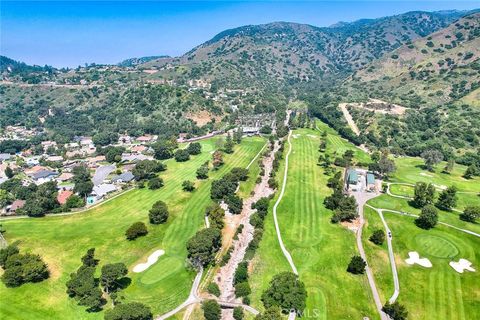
(287, 254)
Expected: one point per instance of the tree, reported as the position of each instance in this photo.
(242, 289)
(155, 183)
(238, 313)
(470, 214)
(217, 159)
(272, 313)
(89, 258)
(138, 229)
(239, 174)
(111, 275)
(83, 183)
(182, 155)
(237, 135)
(235, 203)
(5, 198)
(6, 252)
(216, 216)
(378, 237)
(23, 268)
(213, 288)
(357, 265)
(211, 310)
(229, 144)
(188, 185)
(9, 172)
(285, 291)
(471, 171)
(428, 217)
(423, 194)
(431, 158)
(202, 172)
(447, 198)
(129, 311)
(146, 169)
(158, 213)
(395, 310)
(266, 130)
(74, 201)
(203, 246)
(163, 149)
(194, 148)
(449, 166)
(83, 286)
(386, 166)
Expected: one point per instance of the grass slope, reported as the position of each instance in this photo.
(61, 241)
(320, 249)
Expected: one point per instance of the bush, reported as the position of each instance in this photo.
(182, 155)
(129, 311)
(211, 310)
(188, 186)
(23, 268)
(194, 148)
(238, 313)
(378, 237)
(136, 230)
(155, 183)
(203, 246)
(202, 172)
(470, 214)
(357, 265)
(158, 213)
(213, 288)
(242, 289)
(235, 203)
(396, 311)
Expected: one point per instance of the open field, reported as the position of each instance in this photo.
(428, 293)
(321, 250)
(61, 241)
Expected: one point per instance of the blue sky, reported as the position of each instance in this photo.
(71, 33)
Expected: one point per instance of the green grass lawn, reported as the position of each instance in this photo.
(402, 190)
(411, 170)
(321, 250)
(61, 241)
(428, 293)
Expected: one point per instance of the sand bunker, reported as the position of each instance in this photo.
(414, 257)
(426, 174)
(311, 136)
(151, 260)
(461, 265)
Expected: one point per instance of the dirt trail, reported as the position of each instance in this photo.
(224, 277)
(348, 117)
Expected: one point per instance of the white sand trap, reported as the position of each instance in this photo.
(461, 265)
(440, 186)
(151, 260)
(312, 136)
(414, 257)
(295, 136)
(426, 174)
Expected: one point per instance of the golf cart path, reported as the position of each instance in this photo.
(361, 201)
(391, 256)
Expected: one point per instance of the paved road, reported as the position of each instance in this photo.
(101, 174)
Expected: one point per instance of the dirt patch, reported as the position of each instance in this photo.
(202, 117)
(377, 106)
(354, 225)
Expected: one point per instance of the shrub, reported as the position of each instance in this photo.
(428, 217)
(242, 289)
(211, 310)
(194, 148)
(188, 186)
(182, 155)
(470, 214)
(378, 237)
(136, 230)
(238, 313)
(357, 265)
(213, 288)
(129, 311)
(155, 183)
(396, 311)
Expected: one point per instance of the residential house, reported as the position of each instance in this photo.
(63, 196)
(64, 177)
(123, 178)
(101, 190)
(43, 176)
(128, 157)
(4, 157)
(54, 158)
(17, 204)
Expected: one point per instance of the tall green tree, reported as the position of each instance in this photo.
(447, 198)
(423, 194)
(428, 217)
